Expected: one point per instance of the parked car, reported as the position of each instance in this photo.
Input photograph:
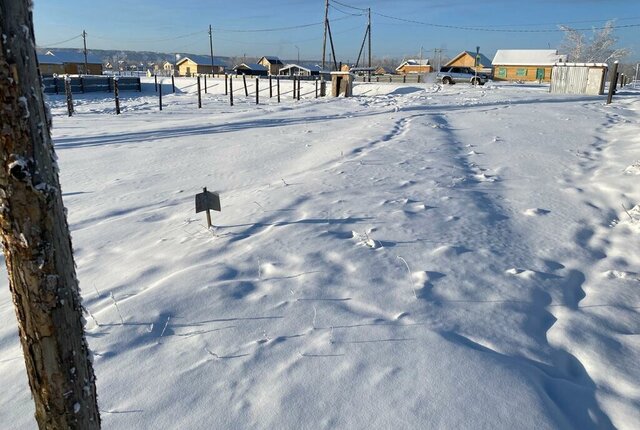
(451, 75)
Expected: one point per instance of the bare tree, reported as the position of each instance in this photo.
(36, 240)
(600, 48)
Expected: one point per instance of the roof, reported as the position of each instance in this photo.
(251, 66)
(67, 57)
(411, 62)
(204, 60)
(528, 57)
(484, 61)
(271, 59)
(309, 69)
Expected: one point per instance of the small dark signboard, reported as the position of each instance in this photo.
(206, 201)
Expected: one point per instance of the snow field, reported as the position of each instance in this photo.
(415, 256)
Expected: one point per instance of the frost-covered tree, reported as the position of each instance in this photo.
(35, 239)
(599, 48)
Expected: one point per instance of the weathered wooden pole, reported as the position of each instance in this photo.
(173, 85)
(244, 81)
(67, 91)
(82, 84)
(160, 95)
(226, 88)
(36, 240)
(205, 84)
(155, 79)
(257, 90)
(294, 88)
(270, 88)
(231, 90)
(299, 79)
(316, 88)
(116, 94)
(199, 95)
(612, 82)
(278, 87)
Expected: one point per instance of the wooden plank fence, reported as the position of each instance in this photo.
(90, 84)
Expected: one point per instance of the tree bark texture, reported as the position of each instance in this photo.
(36, 239)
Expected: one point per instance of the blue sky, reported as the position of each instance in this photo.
(181, 26)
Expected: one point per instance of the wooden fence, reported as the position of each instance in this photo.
(90, 84)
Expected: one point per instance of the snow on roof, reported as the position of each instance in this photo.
(307, 68)
(528, 57)
(48, 59)
(413, 62)
(582, 64)
(251, 66)
(272, 60)
(204, 60)
(67, 57)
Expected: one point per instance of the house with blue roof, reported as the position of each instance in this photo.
(251, 69)
(194, 65)
(71, 63)
(469, 59)
(273, 64)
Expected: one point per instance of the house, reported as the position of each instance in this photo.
(273, 64)
(380, 70)
(525, 64)
(414, 66)
(50, 65)
(468, 59)
(298, 70)
(194, 65)
(168, 67)
(73, 63)
(251, 69)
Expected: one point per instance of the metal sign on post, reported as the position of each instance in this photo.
(208, 201)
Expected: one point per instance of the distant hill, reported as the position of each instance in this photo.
(148, 57)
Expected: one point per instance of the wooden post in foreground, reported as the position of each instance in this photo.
(278, 85)
(226, 88)
(270, 87)
(67, 91)
(199, 94)
(173, 85)
(116, 94)
(160, 95)
(299, 79)
(36, 240)
(230, 90)
(244, 81)
(612, 82)
(257, 90)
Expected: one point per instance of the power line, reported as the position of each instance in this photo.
(48, 45)
(346, 13)
(496, 30)
(348, 6)
(261, 30)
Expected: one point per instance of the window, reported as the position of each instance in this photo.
(502, 72)
(521, 72)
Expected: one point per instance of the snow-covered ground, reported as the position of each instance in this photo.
(412, 257)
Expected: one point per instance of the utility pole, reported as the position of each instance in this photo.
(84, 39)
(369, 30)
(36, 240)
(324, 39)
(211, 46)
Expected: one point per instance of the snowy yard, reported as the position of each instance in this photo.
(412, 257)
